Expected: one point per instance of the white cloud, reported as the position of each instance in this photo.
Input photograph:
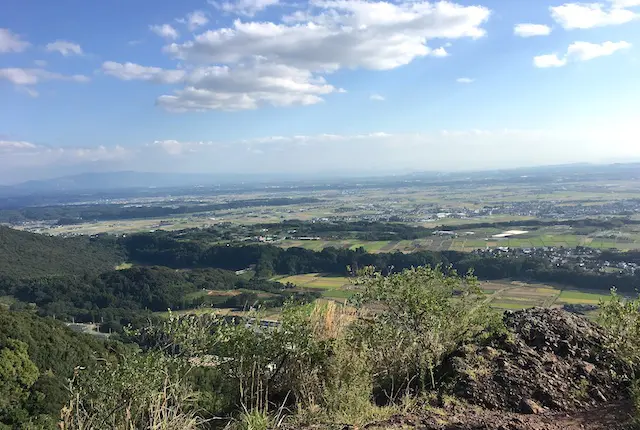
(95, 153)
(440, 52)
(282, 64)
(377, 152)
(194, 20)
(165, 30)
(589, 15)
(132, 71)
(585, 51)
(11, 42)
(465, 80)
(65, 48)
(345, 34)
(247, 86)
(21, 160)
(243, 7)
(99, 153)
(19, 76)
(581, 51)
(29, 91)
(531, 30)
(172, 147)
(625, 3)
(376, 97)
(549, 60)
(16, 146)
(380, 150)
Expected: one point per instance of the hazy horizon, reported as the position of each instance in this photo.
(319, 86)
(238, 177)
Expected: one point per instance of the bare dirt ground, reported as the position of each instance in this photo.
(614, 416)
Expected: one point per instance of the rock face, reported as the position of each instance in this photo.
(550, 360)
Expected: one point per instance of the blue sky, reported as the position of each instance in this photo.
(320, 86)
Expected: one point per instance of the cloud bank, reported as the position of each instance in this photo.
(446, 150)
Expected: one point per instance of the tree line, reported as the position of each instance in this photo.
(270, 260)
(381, 231)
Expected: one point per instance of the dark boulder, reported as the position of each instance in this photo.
(548, 357)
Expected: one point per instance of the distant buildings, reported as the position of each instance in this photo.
(444, 233)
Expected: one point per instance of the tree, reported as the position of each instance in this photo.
(17, 375)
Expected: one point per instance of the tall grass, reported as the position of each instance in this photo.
(167, 409)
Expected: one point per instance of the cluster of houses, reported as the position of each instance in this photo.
(589, 259)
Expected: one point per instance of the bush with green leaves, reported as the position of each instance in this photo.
(621, 319)
(412, 319)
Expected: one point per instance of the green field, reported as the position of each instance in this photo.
(500, 294)
(582, 298)
(316, 280)
(481, 239)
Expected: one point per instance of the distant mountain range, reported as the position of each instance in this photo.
(114, 180)
(108, 181)
(105, 181)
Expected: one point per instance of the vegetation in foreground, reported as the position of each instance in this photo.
(390, 353)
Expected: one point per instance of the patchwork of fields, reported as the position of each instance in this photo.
(501, 294)
(468, 244)
(332, 287)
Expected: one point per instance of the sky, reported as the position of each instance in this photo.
(319, 86)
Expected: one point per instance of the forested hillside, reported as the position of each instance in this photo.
(130, 296)
(28, 255)
(37, 356)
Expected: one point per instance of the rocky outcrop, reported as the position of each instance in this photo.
(549, 360)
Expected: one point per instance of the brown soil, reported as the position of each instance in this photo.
(550, 360)
(615, 416)
(227, 293)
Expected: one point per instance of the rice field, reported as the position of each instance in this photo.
(316, 280)
(579, 297)
(500, 294)
(481, 240)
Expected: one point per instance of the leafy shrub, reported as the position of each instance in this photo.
(410, 320)
(621, 318)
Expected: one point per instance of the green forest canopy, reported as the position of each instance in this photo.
(28, 255)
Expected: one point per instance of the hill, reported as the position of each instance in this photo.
(37, 356)
(28, 255)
